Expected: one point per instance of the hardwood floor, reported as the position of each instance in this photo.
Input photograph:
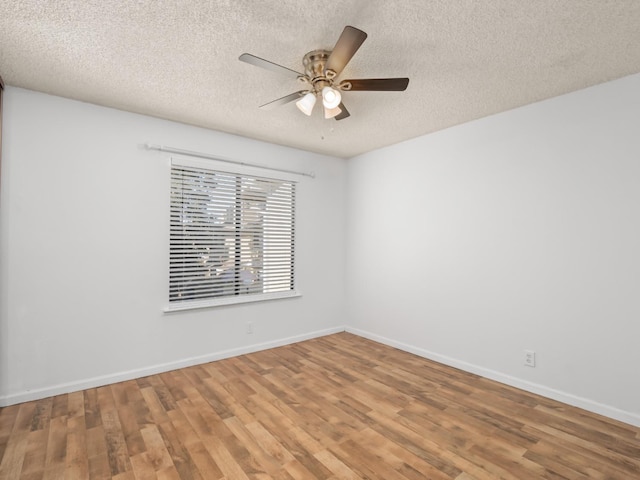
(337, 407)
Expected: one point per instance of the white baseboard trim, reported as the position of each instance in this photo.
(580, 402)
(100, 381)
(573, 400)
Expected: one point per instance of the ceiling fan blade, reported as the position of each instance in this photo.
(379, 84)
(344, 114)
(262, 63)
(284, 100)
(346, 46)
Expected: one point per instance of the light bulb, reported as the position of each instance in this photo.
(331, 98)
(306, 103)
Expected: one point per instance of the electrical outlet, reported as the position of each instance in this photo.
(249, 327)
(530, 358)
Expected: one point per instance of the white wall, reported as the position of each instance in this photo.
(518, 231)
(84, 249)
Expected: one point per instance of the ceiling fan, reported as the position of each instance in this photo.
(321, 70)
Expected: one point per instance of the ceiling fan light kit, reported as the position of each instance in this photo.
(306, 103)
(330, 98)
(332, 112)
(321, 70)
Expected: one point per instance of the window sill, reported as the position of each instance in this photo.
(237, 299)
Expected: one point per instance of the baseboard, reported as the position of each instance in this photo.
(580, 402)
(569, 399)
(100, 381)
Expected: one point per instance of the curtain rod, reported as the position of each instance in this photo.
(190, 153)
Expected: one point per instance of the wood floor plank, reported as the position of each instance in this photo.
(92, 417)
(337, 467)
(364, 462)
(562, 461)
(162, 392)
(441, 454)
(35, 455)
(77, 458)
(204, 424)
(270, 463)
(169, 473)
(233, 406)
(142, 468)
(55, 462)
(115, 436)
(206, 466)
(156, 450)
(97, 453)
(158, 415)
(334, 407)
(611, 462)
(407, 463)
(131, 431)
(182, 462)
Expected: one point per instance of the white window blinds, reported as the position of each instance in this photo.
(231, 235)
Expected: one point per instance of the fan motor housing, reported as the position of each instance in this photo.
(314, 63)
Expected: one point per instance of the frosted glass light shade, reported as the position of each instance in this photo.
(331, 98)
(332, 112)
(306, 103)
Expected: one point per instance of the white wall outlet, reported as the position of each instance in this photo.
(249, 327)
(530, 358)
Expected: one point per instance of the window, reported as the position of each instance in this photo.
(231, 236)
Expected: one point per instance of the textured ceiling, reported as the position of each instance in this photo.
(179, 59)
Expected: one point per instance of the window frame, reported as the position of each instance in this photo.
(239, 298)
